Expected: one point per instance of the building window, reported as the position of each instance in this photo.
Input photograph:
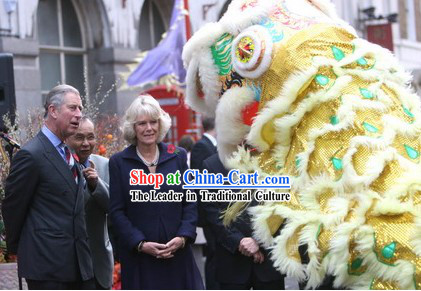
(151, 26)
(62, 49)
(410, 13)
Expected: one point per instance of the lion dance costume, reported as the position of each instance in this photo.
(332, 111)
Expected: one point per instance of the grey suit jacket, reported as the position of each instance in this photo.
(96, 208)
(44, 215)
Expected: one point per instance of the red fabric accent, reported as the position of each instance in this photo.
(249, 112)
(73, 169)
(75, 156)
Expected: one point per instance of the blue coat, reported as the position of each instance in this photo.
(152, 221)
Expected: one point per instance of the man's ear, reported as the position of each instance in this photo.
(53, 111)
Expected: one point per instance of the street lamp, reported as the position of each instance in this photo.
(368, 14)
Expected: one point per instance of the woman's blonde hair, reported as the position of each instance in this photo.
(145, 105)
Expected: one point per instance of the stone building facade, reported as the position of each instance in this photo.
(60, 41)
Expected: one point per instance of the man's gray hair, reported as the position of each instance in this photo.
(56, 96)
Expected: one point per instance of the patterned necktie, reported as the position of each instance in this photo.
(71, 162)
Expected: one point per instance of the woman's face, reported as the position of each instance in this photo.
(146, 129)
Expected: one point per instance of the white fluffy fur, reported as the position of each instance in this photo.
(230, 129)
(201, 41)
(191, 91)
(351, 187)
(260, 214)
(408, 184)
(416, 239)
(209, 78)
(274, 107)
(234, 20)
(243, 161)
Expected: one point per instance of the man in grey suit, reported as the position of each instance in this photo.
(95, 171)
(43, 209)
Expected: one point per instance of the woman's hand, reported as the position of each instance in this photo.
(248, 246)
(157, 250)
(175, 244)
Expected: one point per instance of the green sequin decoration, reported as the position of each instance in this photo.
(334, 120)
(366, 93)
(412, 153)
(221, 53)
(370, 127)
(322, 80)
(362, 61)
(297, 162)
(356, 264)
(337, 53)
(389, 250)
(337, 163)
(407, 112)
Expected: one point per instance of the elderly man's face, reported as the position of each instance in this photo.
(83, 141)
(67, 116)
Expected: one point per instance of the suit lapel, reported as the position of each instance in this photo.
(57, 161)
(80, 188)
(210, 144)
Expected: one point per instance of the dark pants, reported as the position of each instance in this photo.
(99, 286)
(271, 285)
(256, 284)
(56, 285)
(210, 264)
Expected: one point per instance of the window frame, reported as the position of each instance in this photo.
(411, 29)
(63, 50)
(154, 39)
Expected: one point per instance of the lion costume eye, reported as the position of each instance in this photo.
(252, 52)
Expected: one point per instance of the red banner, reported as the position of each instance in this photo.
(381, 34)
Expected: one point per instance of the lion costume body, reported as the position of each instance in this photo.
(335, 113)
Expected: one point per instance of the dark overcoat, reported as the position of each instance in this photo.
(233, 267)
(202, 150)
(44, 215)
(152, 221)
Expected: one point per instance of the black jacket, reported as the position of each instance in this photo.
(203, 149)
(43, 212)
(232, 266)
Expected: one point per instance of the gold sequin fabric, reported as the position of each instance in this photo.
(341, 122)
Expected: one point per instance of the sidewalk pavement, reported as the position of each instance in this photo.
(9, 277)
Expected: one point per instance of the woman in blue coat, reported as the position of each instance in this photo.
(154, 237)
